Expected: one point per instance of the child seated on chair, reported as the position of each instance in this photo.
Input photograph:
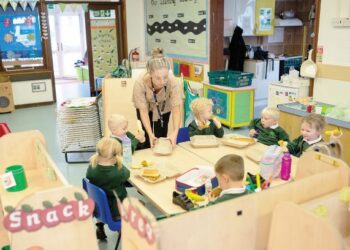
(229, 171)
(204, 123)
(312, 127)
(107, 172)
(118, 125)
(266, 129)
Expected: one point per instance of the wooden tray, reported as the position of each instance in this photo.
(237, 141)
(255, 154)
(166, 171)
(204, 141)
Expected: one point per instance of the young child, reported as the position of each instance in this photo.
(230, 173)
(312, 127)
(203, 123)
(107, 172)
(118, 125)
(266, 129)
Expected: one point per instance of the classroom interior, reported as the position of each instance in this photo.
(67, 66)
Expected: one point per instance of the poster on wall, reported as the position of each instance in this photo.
(179, 27)
(104, 41)
(20, 37)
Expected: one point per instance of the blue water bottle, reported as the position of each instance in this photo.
(127, 152)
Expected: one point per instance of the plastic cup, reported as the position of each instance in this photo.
(19, 176)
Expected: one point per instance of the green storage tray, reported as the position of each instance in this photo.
(230, 78)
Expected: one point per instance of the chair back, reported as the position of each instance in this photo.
(183, 135)
(4, 129)
(102, 211)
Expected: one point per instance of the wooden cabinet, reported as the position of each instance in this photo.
(291, 123)
(234, 107)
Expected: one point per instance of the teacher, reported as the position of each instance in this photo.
(156, 95)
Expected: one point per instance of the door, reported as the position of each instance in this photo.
(68, 39)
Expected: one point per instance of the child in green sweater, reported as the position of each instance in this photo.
(107, 172)
(312, 127)
(118, 125)
(266, 130)
(204, 123)
(229, 171)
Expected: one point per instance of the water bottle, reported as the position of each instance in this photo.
(286, 166)
(208, 187)
(127, 152)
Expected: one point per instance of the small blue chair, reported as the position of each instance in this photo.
(183, 135)
(102, 211)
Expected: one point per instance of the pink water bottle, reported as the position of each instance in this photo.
(286, 166)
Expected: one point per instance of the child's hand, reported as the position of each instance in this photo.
(252, 132)
(217, 122)
(140, 136)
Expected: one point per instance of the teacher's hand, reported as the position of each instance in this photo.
(173, 138)
(152, 139)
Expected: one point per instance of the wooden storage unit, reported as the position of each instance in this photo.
(234, 107)
(291, 123)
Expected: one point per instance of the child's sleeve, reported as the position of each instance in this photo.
(192, 129)
(134, 141)
(218, 132)
(125, 174)
(252, 124)
(89, 172)
(293, 146)
(282, 135)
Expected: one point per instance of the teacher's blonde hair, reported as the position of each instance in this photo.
(107, 148)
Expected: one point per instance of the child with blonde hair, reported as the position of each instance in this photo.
(266, 129)
(230, 173)
(107, 172)
(118, 125)
(312, 127)
(204, 122)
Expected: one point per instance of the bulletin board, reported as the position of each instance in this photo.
(104, 41)
(179, 27)
(20, 36)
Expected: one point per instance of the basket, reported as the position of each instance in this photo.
(230, 78)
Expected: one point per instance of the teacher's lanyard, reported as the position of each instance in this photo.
(157, 104)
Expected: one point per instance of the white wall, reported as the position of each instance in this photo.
(336, 47)
(135, 18)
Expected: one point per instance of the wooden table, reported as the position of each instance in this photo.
(212, 155)
(161, 193)
(183, 158)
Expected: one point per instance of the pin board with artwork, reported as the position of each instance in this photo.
(179, 27)
(104, 41)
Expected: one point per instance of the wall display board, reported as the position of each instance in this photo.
(104, 41)
(20, 37)
(179, 27)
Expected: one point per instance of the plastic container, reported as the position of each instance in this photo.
(286, 166)
(19, 177)
(230, 78)
(270, 162)
(189, 180)
(127, 152)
